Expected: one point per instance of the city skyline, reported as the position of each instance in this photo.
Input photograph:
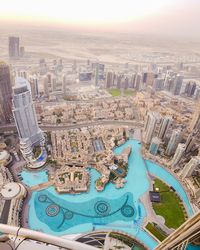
(100, 124)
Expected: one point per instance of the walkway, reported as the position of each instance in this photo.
(42, 186)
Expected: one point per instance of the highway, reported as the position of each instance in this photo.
(11, 127)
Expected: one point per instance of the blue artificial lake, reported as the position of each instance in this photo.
(119, 209)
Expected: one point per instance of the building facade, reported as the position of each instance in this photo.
(5, 93)
(178, 154)
(190, 167)
(173, 142)
(31, 137)
(150, 125)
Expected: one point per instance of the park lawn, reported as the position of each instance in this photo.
(118, 92)
(128, 92)
(114, 92)
(170, 207)
(155, 231)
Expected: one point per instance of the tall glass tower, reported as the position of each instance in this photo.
(31, 137)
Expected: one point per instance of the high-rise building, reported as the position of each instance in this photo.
(43, 67)
(190, 166)
(138, 82)
(14, 47)
(31, 137)
(185, 237)
(190, 88)
(97, 75)
(190, 142)
(119, 80)
(99, 70)
(165, 125)
(22, 73)
(110, 79)
(158, 84)
(148, 78)
(176, 88)
(178, 154)
(150, 125)
(21, 51)
(197, 93)
(5, 93)
(132, 81)
(155, 143)
(45, 85)
(195, 123)
(173, 142)
(34, 86)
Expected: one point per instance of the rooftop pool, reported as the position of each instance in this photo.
(119, 209)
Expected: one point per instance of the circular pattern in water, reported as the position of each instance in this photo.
(69, 215)
(42, 198)
(52, 210)
(102, 208)
(127, 211)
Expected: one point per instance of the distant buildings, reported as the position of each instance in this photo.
(110, 76)
(31, 137)
(176, 88)
(33, 80)
(190, 88)
(14, 51)
(148, 78)
(158, 84)
(5, 93)
(173, 142)
(43, 67)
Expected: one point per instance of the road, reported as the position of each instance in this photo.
(11, 127)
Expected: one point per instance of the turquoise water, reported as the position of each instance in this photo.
(190, 247)
(34, 178)
(113, 208)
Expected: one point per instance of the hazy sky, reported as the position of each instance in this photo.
(173, 17)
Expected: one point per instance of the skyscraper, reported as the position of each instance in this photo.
(173, 142)
(150, 125)
(5, 93)
(158, 84)
(138, 82)
(165, 124)
(177, 85)
(14, 47)
(178, 154)
(109, 79)
(97, 75)
(190, 142)
(34, 86)
(31, 137)
(155, 143)
(190, 166)
(190, 88)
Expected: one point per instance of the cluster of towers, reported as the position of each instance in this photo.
(159, 131)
